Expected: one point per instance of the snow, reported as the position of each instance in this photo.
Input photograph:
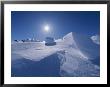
(76, 66)
(73, 50)
(96, 39)
(87, 46)
(34, 51)
(37, 50)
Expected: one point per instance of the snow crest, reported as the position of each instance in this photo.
(70, 50)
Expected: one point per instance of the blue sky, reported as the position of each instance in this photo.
(29, 24)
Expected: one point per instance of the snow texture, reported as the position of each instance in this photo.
(96, 39)
(73, 55)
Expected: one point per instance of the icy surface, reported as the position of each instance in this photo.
(74, 53)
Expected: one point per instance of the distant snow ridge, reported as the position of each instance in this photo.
(74, 52)
(96, 39)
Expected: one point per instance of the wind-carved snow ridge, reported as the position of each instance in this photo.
(76, 67)
(73, 61)
(61, 56)
(70, 41)
(71, 51)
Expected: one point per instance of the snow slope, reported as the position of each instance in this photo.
(33, 50)
(73, 51)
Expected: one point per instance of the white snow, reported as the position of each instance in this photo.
(75, 66)
(96, 39)
(74, 60)
(32, 50)
(37, 50)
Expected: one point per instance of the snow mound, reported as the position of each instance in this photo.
(83, 43)
(73, 66)
(74, 51)
(69, 40)
(37, 50)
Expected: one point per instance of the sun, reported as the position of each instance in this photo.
(46, 28)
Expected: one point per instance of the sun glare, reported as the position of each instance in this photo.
(46, 28)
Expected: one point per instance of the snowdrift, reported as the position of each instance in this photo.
(83, 43)
(74, 52)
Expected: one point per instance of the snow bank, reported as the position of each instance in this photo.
(83, 43)
(74, 51)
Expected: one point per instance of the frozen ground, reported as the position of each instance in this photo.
(73, 55)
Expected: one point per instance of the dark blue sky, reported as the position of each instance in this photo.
(28, 24)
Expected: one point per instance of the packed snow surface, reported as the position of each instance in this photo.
(73, 51)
